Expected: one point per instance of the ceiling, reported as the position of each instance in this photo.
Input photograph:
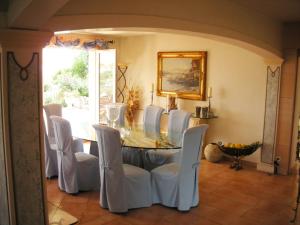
(120, 32)
(282, 10)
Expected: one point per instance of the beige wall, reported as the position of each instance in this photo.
(286, 122)
(237, 77)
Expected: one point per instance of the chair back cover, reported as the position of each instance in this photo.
(67, 164)
(112, 188)
(121, 119)
(188, 172)
(177, 124)
(51, 110)
(152, 116)
(50, 158)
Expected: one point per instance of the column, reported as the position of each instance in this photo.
(21, 145)
(286, 111)
(270, 119)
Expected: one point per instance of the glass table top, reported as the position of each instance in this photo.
(135, 137)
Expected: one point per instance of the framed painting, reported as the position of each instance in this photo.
(182, 74)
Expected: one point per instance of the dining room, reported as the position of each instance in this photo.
(149, 123)
(240, 39)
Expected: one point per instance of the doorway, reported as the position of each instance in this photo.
(82, 81)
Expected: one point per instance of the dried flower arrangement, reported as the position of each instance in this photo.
(133, 103)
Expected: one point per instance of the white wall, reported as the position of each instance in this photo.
(237, 77)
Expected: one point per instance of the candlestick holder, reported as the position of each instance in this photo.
(152, 97)
(209, 105)
(210, 113)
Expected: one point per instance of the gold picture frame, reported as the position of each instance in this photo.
(182, 74)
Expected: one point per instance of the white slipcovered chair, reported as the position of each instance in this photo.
(56, 110)
(77, 171)
(50, 159)
(51, 110)
(176, 184)
(151, 119)
(151, 126)
(121, 119)
(123, 186)
(119, 122)
(177, 124)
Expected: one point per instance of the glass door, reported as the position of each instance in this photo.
(107, 81)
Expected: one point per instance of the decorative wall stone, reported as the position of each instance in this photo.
(271, 108)
(24, 131)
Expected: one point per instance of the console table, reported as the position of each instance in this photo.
(194, 121)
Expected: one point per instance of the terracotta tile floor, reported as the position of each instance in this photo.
(227, 197)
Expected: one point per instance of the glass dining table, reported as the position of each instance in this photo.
(135, 139)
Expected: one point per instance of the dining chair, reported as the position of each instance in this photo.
(121, 118)
(151, 119)
(51, 110)
(50, 159)
(120, 122)
(56, 110)
(176, 184)
(177, 124)
(123, 186)
(77, 171)
(151, 125)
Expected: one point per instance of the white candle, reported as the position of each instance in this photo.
(209, 95)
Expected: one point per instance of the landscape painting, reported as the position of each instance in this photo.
(182, 74)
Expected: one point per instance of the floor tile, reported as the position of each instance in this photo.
(227, 197)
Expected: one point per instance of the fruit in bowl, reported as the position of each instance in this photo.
(230, 145)
(238, 151)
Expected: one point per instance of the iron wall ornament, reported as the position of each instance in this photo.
(270, 121)
(23, 72)
(121, 81)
